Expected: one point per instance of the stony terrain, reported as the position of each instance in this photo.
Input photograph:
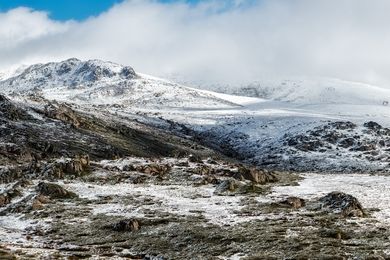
(170, 208)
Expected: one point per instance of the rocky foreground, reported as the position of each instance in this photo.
(172, 208)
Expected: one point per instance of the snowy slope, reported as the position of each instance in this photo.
(280, 128)
(104, 83)
(303, 90)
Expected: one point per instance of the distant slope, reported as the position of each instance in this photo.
(304, 91)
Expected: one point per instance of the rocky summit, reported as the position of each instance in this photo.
(98, 161)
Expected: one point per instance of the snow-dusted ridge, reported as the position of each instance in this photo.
(105, 83)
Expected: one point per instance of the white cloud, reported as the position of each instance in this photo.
(347, 39)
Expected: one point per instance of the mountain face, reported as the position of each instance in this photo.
(71, 73)
(151, 169)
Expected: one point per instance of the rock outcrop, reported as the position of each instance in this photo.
(54, 191)
(342, 203)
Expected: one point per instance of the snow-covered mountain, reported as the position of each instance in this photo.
(302, 90)
(103, 83)
(296, 124)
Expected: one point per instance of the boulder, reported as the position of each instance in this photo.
(372, 125)
(154, 169)
(54, 191)
(127, 225)
(194, 159)
(293, 202)
(342, 203)
(4, 200)
(255, 175)
(37, 205)
(60, 168)
(204, 170)
(228, 185)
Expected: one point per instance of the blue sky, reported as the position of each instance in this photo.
(66, 9)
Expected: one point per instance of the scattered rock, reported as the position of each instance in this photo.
(4, 200)
(342, 125)
(211, 161)
(37, 205)
(293, 202)
(203, 170)
(60, 168)
(372, 125)
(127, 225)
(194, 159)
(42, 199)
(54, 191)
(229, 185)
(155, 169)
(342, 203)
(255, 175)
(335, 233)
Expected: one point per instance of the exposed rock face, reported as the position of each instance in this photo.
(61, 168)
(127, 225)
(58, 130)
(71, 73)
(342, 203)
(10, 111)
(63, 113)
(15, 191)
(54, 191)
(354, 148)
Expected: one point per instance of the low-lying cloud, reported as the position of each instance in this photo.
(347, 39)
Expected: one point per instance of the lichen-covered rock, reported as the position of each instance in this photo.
(342, 203)
(54, 191)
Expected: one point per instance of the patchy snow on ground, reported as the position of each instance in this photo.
(177, 199)
(372, 191)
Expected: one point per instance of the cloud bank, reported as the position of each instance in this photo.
(244, 40)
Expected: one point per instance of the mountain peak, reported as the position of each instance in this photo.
(70, 73)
